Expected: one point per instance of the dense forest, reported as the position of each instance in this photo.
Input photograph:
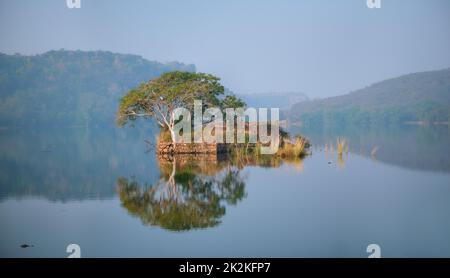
(70, 87)
(418, 97)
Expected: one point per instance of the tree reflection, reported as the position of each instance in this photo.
(190, 194)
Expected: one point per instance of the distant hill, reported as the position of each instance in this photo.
(70, 87)
(418, 97)
(282, 100)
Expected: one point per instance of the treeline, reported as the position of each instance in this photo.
(71, 87)
(419, 97)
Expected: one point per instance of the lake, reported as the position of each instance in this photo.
(106, 190)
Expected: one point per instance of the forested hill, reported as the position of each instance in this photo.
(70, 87)
(282, 100)
(415, 97)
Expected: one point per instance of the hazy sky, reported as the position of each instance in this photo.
(322, 48)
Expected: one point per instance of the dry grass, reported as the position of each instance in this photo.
(296, 149)
(374, 151)
(341, 145)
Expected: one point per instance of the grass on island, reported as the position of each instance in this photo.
(288, 148)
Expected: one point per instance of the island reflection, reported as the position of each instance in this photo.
(193, 191)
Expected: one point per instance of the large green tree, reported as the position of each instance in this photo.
(159, 97)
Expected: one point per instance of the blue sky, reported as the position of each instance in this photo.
(320, 47)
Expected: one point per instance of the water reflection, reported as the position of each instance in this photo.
(413, 147)
(72, 163)
(237, 201)
(77, 164)
(191, 193)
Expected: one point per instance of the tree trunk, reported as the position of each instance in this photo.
(172, 135)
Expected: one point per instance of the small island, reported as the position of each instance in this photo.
(160, 98)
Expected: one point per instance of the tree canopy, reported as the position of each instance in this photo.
(159, 97)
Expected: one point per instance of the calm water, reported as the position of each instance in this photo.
(106, 190)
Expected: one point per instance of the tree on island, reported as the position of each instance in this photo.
(159, 97)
